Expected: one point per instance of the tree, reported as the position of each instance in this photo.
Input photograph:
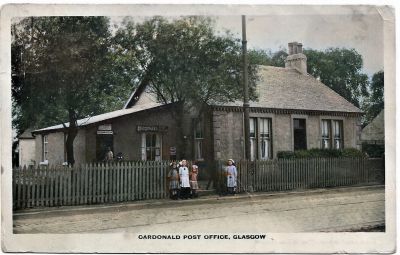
(267, 57)
(184, 62)
(374, 104)
(63, 68)
(339, 69)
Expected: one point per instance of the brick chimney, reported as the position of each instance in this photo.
(296, 59)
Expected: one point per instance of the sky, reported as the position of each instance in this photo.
(319, 28)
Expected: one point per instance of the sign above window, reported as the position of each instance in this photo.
(107, 127)
(141, 128)
(105, 132)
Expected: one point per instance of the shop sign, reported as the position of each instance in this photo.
(105, 129)
(141, 128)
(105, 132)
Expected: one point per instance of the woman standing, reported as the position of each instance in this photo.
(184, 179)
(231, 174)
(173, 177)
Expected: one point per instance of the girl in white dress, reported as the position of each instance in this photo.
(184, 180)
(231, 176)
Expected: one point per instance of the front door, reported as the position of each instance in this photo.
(103, 142)
(299, 133)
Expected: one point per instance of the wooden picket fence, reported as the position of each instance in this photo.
(290, 174)
(129, 181)
(89, 184)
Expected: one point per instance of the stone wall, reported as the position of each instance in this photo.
(27, 152)
(56, 149)
(228, 132)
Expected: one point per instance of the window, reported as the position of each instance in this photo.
(45, 144)
(265, 138)
(326, 134)
(253, 138)
(198, 139)
(299, 134)
(338, 134)
(151, 146)
(260, 138)
(332, 134)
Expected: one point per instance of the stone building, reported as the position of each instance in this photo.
(294, 111)
(26, 148)
(374, 132)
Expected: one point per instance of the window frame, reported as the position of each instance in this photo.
(331, 130)
(45, 147)
(198, 141)
(157, 146)
(340, 138)
(257, 128)
(267, 139)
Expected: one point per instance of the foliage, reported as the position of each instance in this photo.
(374, 150)
(266, 57)
(63, 68)
(339, 69)
(321, 153)
(374, 104)
(286, 154)
(184, 61)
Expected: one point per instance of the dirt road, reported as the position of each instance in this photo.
(341, 209)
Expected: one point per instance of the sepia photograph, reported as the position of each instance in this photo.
(198, 128)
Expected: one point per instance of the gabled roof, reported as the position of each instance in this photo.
(103, 117)
(284, 88)
(27, 134)
(375, 130)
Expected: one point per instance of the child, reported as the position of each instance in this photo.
(173, 181)
(184, 180)
(231, 175)
(193, 180)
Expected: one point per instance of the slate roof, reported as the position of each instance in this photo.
(284, 88)
(104, 116)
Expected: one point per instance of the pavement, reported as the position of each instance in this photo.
(319, 210)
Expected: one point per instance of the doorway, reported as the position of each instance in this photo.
(300, 134)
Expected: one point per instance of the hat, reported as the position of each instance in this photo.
(233, 162)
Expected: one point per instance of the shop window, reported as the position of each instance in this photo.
(198, 139)
(151, 146)
(332, 134)
(299, 134)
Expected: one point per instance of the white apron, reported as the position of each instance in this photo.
(231, 178)
(184, 177)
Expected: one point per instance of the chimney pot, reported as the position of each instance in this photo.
(290, 46)
(299, 48)
(296, 59)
